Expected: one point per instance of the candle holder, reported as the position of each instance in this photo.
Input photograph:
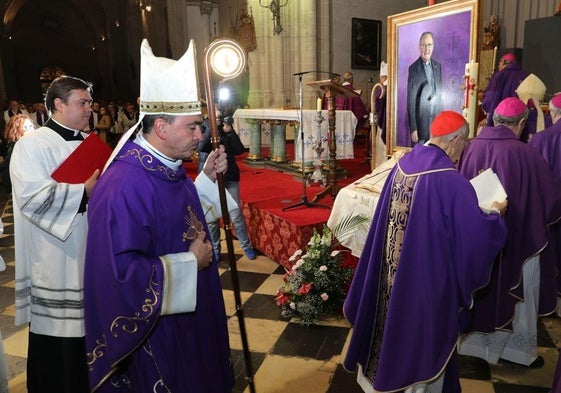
(317, 176)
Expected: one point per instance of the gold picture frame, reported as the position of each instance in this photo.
(454, 26)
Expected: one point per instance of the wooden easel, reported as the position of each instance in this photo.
(330, 90)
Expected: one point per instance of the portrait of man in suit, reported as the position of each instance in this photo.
(424, 87)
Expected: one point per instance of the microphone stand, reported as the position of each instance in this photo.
(304, 199)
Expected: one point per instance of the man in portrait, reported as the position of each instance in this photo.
(424, 85)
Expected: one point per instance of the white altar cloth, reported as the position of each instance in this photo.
(360, 198)
(345, 123)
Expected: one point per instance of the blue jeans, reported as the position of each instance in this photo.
(236, 218)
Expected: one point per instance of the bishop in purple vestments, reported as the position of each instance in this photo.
(548, 143)
(502, 84)
(534, 204)
(429, 248)
(154, 312)
(352, 103)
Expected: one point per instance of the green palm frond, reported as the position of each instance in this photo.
(351, 222)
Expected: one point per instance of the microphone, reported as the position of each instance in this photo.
(302, 73)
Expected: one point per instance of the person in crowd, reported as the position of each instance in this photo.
(522, 286)
(15, 129)
(104, 124)
(233, 147)
(204, 144)
(40, 117)
(424, 90)
(115, 132)
(13, 109)
(503, 84)
(352, 103)
(94, 117)
(50, 242)
(4, 378)
(164, 328)
(548, 144)
(128, 117)
(426, 254)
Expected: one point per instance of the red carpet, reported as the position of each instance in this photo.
(264, 192)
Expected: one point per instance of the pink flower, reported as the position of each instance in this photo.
(322, 268)
(304, 289)
(292, 305)
(324, 296)
(282, 298)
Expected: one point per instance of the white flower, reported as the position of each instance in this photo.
(298, 263)
(292, 305)
(322, 268)
(296, 254)
(324, 296)
(335, 252)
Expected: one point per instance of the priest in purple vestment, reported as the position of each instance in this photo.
(352, 103)
(504, 323)
(548, 143)
(502, 84)
(429, 248)
(154, 312)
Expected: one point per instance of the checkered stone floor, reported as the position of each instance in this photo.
(286, 357)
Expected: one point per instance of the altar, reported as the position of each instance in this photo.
(360, 199)
(267, 127)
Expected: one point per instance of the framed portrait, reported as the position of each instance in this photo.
(366, 36)
(450, 45)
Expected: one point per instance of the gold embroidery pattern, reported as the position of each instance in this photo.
(195, 226)
(401, 199)
(97, 352)
(130, 324)
(147, 162)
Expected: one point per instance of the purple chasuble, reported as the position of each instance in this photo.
(353, 104)
(534, 202)
(548, 143)
(502, 84)
(429, 248)
(140, 210)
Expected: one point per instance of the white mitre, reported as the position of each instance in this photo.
(169, 86)
(533, 88)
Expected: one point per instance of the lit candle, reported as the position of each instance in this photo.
(319, 102)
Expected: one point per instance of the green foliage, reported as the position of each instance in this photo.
(314, 287)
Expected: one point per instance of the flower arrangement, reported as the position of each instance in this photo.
(315, 285)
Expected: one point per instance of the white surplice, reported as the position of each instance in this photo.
(50, 237)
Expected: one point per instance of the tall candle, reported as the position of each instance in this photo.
(319, 102)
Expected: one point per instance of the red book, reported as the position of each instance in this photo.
(90, 155)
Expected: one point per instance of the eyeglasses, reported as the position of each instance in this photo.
(426, 46)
